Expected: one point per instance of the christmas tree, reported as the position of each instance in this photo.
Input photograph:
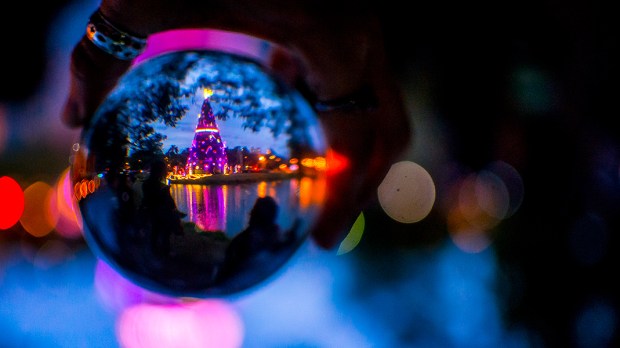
(208, 152)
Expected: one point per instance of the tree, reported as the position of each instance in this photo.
(172, 151)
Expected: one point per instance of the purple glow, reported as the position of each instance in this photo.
(207, 207)
(63, 205)
(214, 216)
(203, 324)
(189, 39)
(117, 293)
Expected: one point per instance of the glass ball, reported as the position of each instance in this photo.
(200, 175)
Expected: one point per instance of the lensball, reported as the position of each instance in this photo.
(200, 175)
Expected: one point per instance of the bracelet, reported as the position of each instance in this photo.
(364, 99)
(112, 40)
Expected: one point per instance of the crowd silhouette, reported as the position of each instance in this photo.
(163, 215)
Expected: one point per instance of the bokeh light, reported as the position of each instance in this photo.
(474, 195)
(470, 240)
(492, 194)
(468, 223)
(512, 181)
(196, 324)
(336, 162)
(37, 218)
(354, 236)
(596, 324)
(407, 193)
(11, 202)
(479, 201)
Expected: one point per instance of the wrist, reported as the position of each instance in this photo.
(90, 62)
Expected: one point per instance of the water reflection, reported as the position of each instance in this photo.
(227, 207)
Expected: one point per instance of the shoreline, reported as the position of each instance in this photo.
(237, 178)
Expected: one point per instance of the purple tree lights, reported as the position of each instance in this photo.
(208, 152)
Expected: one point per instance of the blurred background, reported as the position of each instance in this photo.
(513, 242)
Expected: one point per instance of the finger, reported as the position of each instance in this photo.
(367, 141)
(349, 135)
(94, 74)
(285, 65)
(363, 163)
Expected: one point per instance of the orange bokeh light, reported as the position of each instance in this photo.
(37, 218)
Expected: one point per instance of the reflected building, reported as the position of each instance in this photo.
(208, 152)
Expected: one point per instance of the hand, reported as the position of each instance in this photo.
(332, 48)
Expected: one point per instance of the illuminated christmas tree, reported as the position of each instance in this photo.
(208, 152)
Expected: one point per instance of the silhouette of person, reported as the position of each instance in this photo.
(261, 234)
(160, 209)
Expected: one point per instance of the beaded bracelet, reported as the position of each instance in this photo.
(112, 40)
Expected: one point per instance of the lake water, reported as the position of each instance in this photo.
(227, 207)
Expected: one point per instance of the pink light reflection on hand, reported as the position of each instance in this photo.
(205, 39)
